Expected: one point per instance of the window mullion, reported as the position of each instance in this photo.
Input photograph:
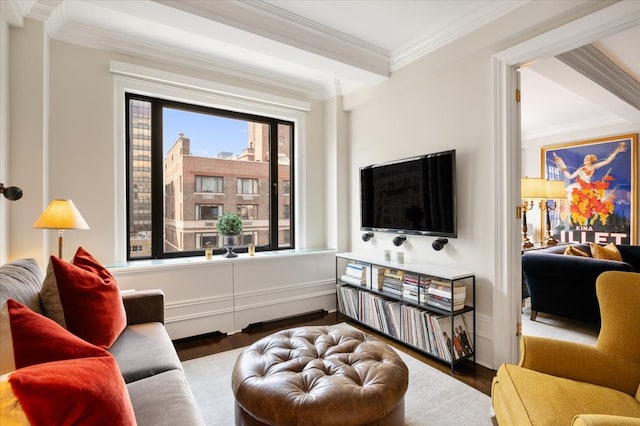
(273, 183)
(157, 178)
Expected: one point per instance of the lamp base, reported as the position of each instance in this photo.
(550, 241)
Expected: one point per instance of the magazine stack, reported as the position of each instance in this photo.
(414, 287)
(439, 295)
(392, 282)
(355, 273)
(432, 333)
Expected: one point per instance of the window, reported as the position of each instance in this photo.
(208, 212)
(248, 211)
(286, 187)
(247, 186)
(203, 238)
(187, 164)
(209, 184)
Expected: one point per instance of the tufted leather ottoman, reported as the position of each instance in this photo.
(325, 375)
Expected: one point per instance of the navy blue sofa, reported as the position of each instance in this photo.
(566, 285)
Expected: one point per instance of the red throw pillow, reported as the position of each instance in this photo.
(28, 338)
(84, 298)
(84, 391)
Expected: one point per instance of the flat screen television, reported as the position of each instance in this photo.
(413, 195)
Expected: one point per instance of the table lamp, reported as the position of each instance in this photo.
(555, 190)
(61, 215)
(530, 188)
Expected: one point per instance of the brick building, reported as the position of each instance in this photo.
(200, 189)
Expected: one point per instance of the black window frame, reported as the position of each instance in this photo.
(157, 175)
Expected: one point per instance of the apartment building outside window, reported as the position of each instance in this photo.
(188, 164)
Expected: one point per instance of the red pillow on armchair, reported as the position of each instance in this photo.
(84, 298)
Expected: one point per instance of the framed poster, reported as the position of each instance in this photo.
(600, 178)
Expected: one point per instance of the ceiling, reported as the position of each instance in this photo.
(318, 49)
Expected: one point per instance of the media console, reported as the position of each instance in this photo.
(427, 307)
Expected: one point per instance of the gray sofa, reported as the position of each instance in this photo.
(144, 352)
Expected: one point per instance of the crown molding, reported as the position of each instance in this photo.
(13, 12)
(97, 38)
(449, 32)
(284, 68)
(265, 20)
(593, 64)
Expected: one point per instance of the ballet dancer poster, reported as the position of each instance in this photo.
(600, 178)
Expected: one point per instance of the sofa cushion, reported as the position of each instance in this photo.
(553, 400)
(84, 391)
(84, 298)
(28, 338)
(164, 400)
(574, 251)
(21, 280)
(143, 350)
(608, 252)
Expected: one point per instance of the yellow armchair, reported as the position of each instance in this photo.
(565, 383)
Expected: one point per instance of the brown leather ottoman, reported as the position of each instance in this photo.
(325, 375)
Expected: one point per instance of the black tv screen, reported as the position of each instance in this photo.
(414, 195)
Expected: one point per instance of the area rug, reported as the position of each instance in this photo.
(433, 398)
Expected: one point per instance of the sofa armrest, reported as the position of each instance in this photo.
(144, 306)
(631, 255)
(579, 362)
(604, 420)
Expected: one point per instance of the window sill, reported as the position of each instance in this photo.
(216, 259)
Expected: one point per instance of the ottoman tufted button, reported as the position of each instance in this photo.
(328, 375)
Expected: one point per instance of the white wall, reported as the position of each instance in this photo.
(64, 144)
(28, 137)
(4, 135)
(82, 159)
(444, 101)
(420, 111)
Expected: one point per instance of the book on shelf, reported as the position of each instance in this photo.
(457, 345)
(449, 298)
(351, 280)
(443, 283)
(465, 338)
(377, 277)
(394, 273)
(348, 300)
(357, 271)
(444, 305)
(392, 282)
(410, 287)
(458, 293)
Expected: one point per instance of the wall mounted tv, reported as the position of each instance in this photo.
(412, 196)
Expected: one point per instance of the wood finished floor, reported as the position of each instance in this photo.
(471, 374)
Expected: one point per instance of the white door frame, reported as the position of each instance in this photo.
(507, 296)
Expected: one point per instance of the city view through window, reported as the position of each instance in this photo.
(211, 164)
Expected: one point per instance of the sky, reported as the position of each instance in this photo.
(209, 134)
